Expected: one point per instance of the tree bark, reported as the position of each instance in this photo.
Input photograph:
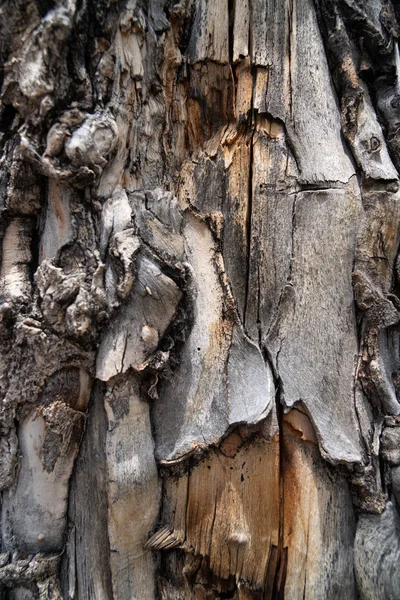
(200, 300)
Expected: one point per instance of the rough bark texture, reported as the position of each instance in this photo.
(200, 300)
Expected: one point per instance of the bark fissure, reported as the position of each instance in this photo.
(249, 221)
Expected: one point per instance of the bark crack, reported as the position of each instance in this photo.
(249, 203)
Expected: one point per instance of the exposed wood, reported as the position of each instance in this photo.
(376, 553)
(86, 574)
(209, 36)
(133, 490)
(222, 378)
(297, 347)
(213, 515)
(318, 521)
(221, 499)
(14, 276)
(241, 30)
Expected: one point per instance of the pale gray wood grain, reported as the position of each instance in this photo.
(209, 38)
(86, 572)
(376, 555)
(316, 374)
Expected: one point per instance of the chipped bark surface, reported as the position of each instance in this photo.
(199, 299)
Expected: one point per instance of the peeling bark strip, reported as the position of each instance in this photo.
(199, 299)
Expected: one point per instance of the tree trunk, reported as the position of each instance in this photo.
(200, 301)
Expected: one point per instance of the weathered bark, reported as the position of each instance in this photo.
(200, 305)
